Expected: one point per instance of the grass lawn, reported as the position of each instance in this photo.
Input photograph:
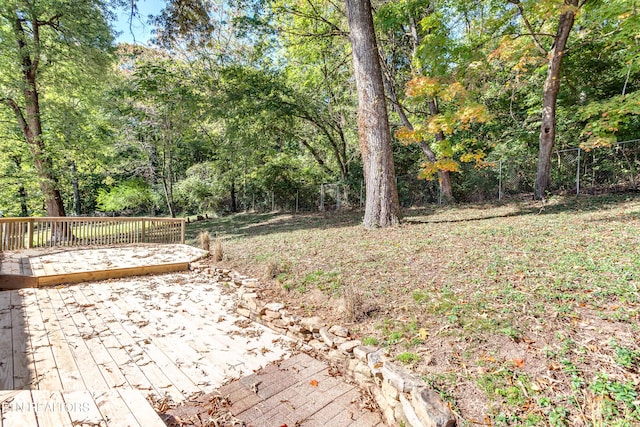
(518, 314)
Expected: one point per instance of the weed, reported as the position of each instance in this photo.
(394, 338)
(420, 296)
(353, 303)
(218, 251)
(558, 417)
(205, 240)
(370, 341)
(407, 358)
(271, 270)
(624, 356)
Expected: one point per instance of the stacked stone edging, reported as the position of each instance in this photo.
(402, 397)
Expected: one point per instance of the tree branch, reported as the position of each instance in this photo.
(54, 21)
(18, 112)
(529, 27)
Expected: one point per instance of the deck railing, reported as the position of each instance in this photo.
(25, 233)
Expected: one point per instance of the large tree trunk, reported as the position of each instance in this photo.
(550, 98)
(381, 208)
(30, 122)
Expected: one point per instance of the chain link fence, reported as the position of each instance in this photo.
(573, 171)
(576, 171)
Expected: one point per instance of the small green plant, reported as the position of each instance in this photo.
(394, 338)
(624, 356)
(369, 341)
(407, 358)
(558, 417)
(617, 398)
(420, 296)
(288, 286)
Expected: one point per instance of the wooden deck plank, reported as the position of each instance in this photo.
(216, 348)
(193, 364)
(67, 367)
(23, 362)
(17, 409)
(131, 322)
(114, 409)
(82, 409)
(88, 369)
(59, 277)
(51, 409)
(134, 339)
(91, 333)
(6, 342)
(46, 376)
(13, 281)
(141, 408)
(102, 323)
(207, 319)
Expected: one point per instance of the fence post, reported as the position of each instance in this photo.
(321, 197)
(30, 232)
(143, 237)
(183, 230)
(578, 175)
(273, 201)
(500, 181)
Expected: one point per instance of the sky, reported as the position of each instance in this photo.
(139, 29)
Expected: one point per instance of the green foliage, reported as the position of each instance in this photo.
(134, 195)
(407, 358)
(200, 190)
(370, 341)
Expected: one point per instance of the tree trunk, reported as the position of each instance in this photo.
(234, 204)
(444, 177)
(381, 208)
(76, 188)
(550, 98)
(31, 125)
(22, 195)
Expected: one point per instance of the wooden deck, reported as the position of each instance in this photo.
(32, 268)
(105, 346)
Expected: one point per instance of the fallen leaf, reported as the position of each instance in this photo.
(423, 333)
(377, 365)
(313, 383)
(519, 363)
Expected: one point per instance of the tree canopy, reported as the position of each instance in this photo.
(241, 104)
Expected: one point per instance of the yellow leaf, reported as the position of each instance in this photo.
(314, 383)
(423, 333)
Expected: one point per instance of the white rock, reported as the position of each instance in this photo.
(274, 306)
(339, 331)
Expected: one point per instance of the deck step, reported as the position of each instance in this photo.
(40, 408)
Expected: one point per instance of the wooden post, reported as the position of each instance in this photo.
(183, 232)
(30, 232)
(142, 238)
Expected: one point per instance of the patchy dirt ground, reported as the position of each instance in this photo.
(518, 314)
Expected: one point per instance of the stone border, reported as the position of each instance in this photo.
(403, 398)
